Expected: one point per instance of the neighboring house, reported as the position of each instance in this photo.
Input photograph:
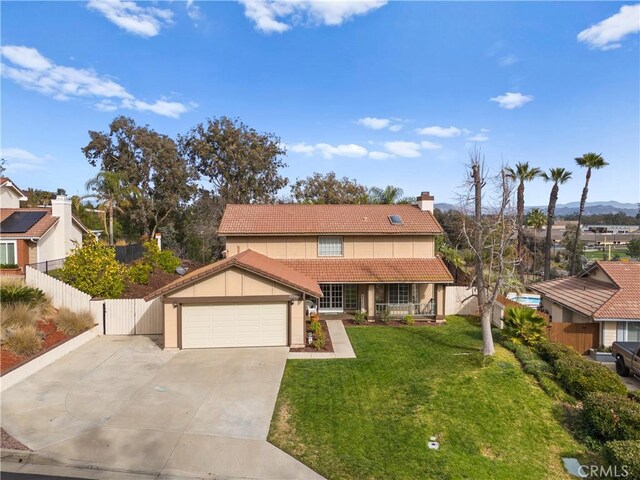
(608, 294)
(32, 235)
(346, 258)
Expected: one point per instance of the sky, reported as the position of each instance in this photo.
(388, 93)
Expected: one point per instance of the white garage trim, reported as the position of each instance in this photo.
(234, 325)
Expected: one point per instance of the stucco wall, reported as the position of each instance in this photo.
(47, 246)
(598, 274)
(234, 282)
(9, 198)
(608, 333)
(384, 246)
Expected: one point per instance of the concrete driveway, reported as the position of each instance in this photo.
(123, 404)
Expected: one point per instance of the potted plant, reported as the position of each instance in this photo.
(10, 269)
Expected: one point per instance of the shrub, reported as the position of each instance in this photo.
(634, 395)
(385, 315)
(360, 317)
(409, 320)
(18, 315)
(92, 268)
(554, 351)
(625, 455)
(318, 340)
(580, 377)
(315, 327)
(524, 325)
(71, 323)
(23, 341)
(12, 293)
(612, 417)
(139, 273)
(162, 259)
(8, 265)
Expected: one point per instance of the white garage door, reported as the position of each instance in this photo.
(244, 325)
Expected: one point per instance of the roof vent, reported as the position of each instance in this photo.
(395, 220)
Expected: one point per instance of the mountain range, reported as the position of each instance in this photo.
(564, 209)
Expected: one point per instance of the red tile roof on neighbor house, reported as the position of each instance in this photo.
(373, 270)
(300, 219)
(37, 230)
(596, 299)
(251, 261)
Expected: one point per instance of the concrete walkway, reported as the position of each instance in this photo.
(121, 404)
(339, 339)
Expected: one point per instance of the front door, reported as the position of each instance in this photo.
(331, 301)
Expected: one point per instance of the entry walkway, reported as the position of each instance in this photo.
(339, 339)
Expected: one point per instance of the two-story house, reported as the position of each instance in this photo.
(374, 258)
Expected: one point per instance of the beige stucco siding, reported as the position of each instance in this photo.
(9, 198)
(609, 333)
(233, 282)
(383, 246)
(598, 274)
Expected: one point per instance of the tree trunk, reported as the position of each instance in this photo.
(111, 222)
(553, 199)
(487, 336)
(520, 243)
(583, 201)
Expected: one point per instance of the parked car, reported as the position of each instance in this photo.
(310, 307)
(627, 355)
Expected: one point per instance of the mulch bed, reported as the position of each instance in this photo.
(328, 346)
(157, 279)
(7, 441)
(393, 323)
(52, 338)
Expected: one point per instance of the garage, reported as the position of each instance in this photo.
(246, 300)
(243, 325)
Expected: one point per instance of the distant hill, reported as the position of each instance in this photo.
(564, 209)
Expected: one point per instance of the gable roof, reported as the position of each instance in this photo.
(597, 299)
(300, 219)
(367, 270)
(37, 230)
(6, 182)
(252, 262)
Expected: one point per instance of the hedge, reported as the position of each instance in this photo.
(612, 417)
(624, 455)
(580, 377)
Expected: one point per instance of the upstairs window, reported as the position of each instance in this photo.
(330, 247)
(395, 219)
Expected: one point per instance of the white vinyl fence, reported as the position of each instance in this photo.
(460, 301)
(117, 317)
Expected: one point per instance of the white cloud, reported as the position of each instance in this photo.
(374, 123)
(277, 16)
(425, 145)
(33, 71)
(20, 159)
(395, 128)
(607, 34)
(442, 132)
(128, 15)
(380, 155)
(507, 60)
(479, 137)
(408, 149)
(349, 150)
(301, 148)
(511, 100)
(193, 11)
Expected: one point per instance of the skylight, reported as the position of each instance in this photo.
(395, 220)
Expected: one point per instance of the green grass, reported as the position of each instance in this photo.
(599, 255)
(372, 417)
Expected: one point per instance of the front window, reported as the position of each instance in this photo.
(330, 247)
(8, 253)
(331, 296)
(399, 293)
(628, 332)
(350, 297)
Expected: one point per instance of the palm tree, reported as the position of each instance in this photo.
(590, 161)
(112, 192)
(535, 220)
(522, 173)
(386, 196)
(558, 176)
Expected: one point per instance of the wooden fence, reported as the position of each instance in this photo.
(117, 316)
(459, 300)
(580, 336)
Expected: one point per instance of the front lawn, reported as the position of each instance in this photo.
(372, 417)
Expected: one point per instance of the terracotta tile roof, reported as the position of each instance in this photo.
(597, 299)
(299, 219)
(37, 230)
(625, 303)
(252, 261)
(383, 270)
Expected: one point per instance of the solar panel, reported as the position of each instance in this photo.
(20, 222)
(395, 219)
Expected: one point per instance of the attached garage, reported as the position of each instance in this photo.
(248, 300)
(239, 325)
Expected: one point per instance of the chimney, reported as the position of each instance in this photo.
(64, 232)
(425, 202)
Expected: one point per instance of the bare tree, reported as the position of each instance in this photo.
(489, 227)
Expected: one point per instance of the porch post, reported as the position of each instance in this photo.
(371, 302)
(439, 301)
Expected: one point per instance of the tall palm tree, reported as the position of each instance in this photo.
(536, 220)
(521, 173)
(558, 176)
(590, 161)
(388, 195)
(112, 191)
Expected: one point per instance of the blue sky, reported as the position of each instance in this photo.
(387, 93)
